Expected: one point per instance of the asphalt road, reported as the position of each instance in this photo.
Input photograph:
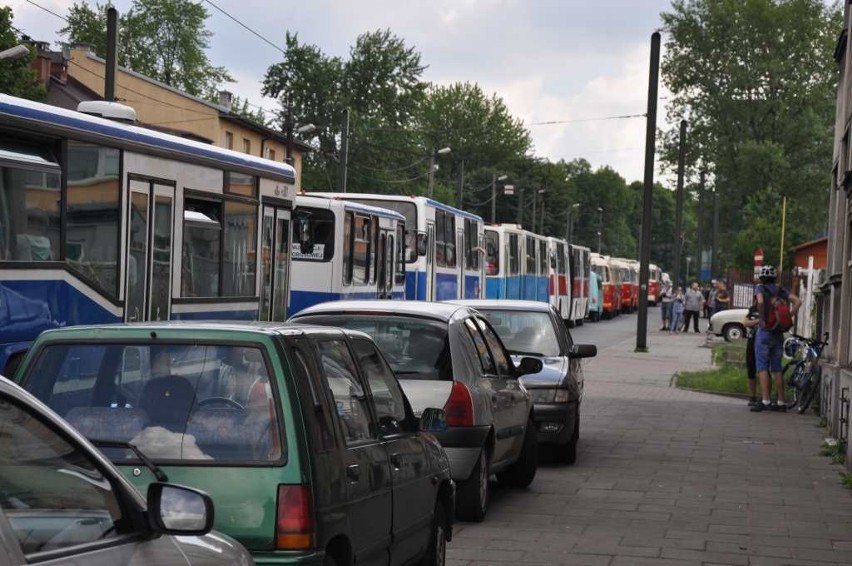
(669, 477)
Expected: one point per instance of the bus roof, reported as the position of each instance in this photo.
(307, 199)
(20, 112)
(400, 198)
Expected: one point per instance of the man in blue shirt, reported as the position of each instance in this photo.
(769, 343)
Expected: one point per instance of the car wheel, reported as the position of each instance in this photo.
(733, 332)
(521, 473)
(472, 493)
(567, 453)
(436, 555)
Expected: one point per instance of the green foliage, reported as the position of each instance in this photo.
(17, 76)
(846, 479)
(727, 379)
(835, 450)
(756, 79)
(161, 39)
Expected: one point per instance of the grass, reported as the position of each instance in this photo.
(846, 479)
(834, 450)
(728, 377)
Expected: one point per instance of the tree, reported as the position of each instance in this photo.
(161, 39)
(17, 77)
(756, 80)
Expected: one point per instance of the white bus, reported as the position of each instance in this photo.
(443, 246)
(345, 250)
(517, 264)
(101, 221)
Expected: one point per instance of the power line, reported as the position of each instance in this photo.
(244, 26)
(601, 119)
(48, 10)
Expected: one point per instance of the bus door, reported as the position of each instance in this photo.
(148, 268)
(275, 263)
(430, 262)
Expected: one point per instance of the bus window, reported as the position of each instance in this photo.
(201, 248)
(450, 239)
(348, 240)
(560, 259)
(440, 242)
(492, 252)
(361, 252)
(471, 238)
(542, 257)
(531, 255)
(401, 252)
(321, 234)
(240, 253)
(514, 255)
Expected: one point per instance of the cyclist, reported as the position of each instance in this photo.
(769, 343)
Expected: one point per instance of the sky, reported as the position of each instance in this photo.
(573, 61)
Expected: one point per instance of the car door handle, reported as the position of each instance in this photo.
(353, 472)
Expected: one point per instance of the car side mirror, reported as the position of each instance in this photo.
(179, 510)
(433, 420)
(529, 365)
(583, 351)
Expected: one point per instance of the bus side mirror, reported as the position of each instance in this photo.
(422, 240)
(303, 231)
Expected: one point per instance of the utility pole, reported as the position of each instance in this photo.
(535, 201)
(699, 237)
(520, 219)
(111, 54)
(289, 126)
(494, 197)
(431, 175)
(344, 153)
(650, 149)
(714, 254)
(678, 244)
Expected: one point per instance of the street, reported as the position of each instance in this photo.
(669, 477)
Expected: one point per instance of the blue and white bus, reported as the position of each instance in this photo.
(101, 221)
(345, 250)
(517, 264)
(443, 249)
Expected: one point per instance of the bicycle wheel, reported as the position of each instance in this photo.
(809, 391)
(795, 380)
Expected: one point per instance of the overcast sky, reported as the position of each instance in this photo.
(550, 60)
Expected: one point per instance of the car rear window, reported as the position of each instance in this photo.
(415, 348)
(187, 402)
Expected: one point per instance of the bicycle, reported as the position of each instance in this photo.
(807, 374)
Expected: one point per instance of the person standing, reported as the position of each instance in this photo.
(723, 299)
(751, 321)
(692, 303)
(666, 295)
(677, 310)
(769, 342)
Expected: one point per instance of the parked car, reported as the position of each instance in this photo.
(447, 355)
(729, 324)
(301, 435)
(63, 502)
(532, 328)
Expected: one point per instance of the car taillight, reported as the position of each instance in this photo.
(294, 521)
(459, 407)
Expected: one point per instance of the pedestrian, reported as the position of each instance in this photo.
(723, 299)
(706, 309)
(693, 300)
(677, 310)
(666, 295)
(711, 298)
(769, 342)
(750, 322)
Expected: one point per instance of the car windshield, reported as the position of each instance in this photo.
(524, 332)
(414, 347)
(187, 402)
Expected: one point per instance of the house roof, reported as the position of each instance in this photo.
(812, 243)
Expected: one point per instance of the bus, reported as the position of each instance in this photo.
(580, 267)
(443, 246)
(624, 278)
(517, 264)
(103, 221)
(560, 289)
(345, 250)
(654, 280)
(610, 287)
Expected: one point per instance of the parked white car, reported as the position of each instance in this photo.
(729, 324)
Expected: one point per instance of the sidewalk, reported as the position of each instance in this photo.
(671, 477)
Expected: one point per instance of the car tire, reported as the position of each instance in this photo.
(567, 453)
(522, 472)
(733, 331)
(436, 554)
(472, 493)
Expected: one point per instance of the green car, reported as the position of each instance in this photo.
(301, 435)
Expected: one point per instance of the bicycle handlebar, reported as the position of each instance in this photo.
(823, 342)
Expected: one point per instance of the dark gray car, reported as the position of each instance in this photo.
(62, 502)
(532, 328)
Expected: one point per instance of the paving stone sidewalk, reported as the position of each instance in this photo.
(671, 477)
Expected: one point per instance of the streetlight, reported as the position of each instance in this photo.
(17, 52)
(494, 179)
(600, 227)
(434, 167)
(570, 233)
(688, 260)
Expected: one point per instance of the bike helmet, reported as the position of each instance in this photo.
(792, 347)
(768, 272)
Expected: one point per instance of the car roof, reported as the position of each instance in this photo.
(436, 310)
(505, 304)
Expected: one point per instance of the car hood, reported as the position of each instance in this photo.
(552, 374)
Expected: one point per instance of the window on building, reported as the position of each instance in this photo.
(229, 140)
(246, 145)
(270, 153)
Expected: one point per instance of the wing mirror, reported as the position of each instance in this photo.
(433, 420)
(583, 351)
(529, 365)
(179, 510)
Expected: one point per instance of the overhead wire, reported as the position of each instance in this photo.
(48, 10)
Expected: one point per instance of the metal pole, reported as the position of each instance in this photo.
(650, 149)
(535, 200)
(493, 198)
(289, 126)
(111, 54)
(344, 153)
(568, 225)
(783, 228)
(678, 243)
(520, 219)
(432, 173)
(600, 227)
(714, 254)
(700, 234)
